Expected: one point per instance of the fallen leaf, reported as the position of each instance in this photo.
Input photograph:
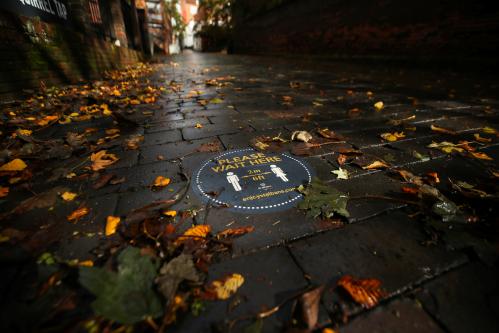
(303, 136)
(309, 302)
(323, 200)
(42, 200)
(14, 165)
(4, 191)
(79, 213)
(442, 130)
(366, 292)
(68, 196)
(112, 223)
(198, 125)
(170, 213)
(328, 134)
(260, 145)
(480, 156)
(379, 105)
(376, 165)
(235, 232)
(341, 173)
(210, 147)
(101, 160)
(392, 136)
(161, 181)
(410, 190)
(216, 100)
(24, 132)
(174, 272)
(489, 130)
(342, 158)
(433, 176)
(227, 287)
(446, 147)
(125, 296)
(195, 233)
(481, 139)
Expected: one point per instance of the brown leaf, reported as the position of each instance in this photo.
(210, 147)
(42, 200)
(442, 130)
(309, 302)
(328, 134)
(376, 165)
(366, 292)
(79, 213)
(235, 232)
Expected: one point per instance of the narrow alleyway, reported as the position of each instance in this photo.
(421, 220)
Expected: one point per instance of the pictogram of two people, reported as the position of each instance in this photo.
(233, 179)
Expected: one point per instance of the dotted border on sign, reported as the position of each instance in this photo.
(298, 196)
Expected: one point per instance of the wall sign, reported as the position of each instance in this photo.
(47, 10)
(251, 181)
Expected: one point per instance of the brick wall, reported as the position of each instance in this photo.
(380, 28)
(34, 52)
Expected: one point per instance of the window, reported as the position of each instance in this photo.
(95, 11)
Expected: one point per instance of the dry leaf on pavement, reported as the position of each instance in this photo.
(170, 213)
(101, 160)
(197, 232)
(68, 196)
(379, 106)
(303, 136)
(227, 287)
(376, 165)
(442, 130)
(161, 181)
(14, 165)
(77, 214)
(366, 292)
(341, 173)
(392, 136)
(4, 191)
(235, 232)
(112, 223)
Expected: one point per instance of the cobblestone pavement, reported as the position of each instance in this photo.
(447, 284)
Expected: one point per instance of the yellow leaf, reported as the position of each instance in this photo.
(481, 156)
(4, 191)
(171, 213)
(111, 224)
(86, 263)
(79, 213)
(376, 165)
(161, 181)
(489, 130)
(216, 100)
(68, 196)
(446, 147)
(481, 139)
(392, 136)
(102, 160)
(116, 92)
(24, 132)
(226, 288)
(14, 165)
(198, 125)
(260, 145)
(196, 233)
(379, 106)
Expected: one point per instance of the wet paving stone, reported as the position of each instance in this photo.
(210, 130)
(465, 299)
(171, 151)
(387, 248)
(270, 277)
(404, 315)
(178, 124)
(158, 138)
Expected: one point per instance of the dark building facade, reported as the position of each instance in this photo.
(47, 42)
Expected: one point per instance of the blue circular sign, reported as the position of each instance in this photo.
(251, 181)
